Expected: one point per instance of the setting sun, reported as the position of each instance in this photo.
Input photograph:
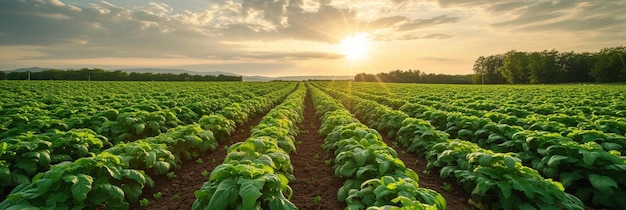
(355, 47)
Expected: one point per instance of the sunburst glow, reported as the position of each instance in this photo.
(355, 47)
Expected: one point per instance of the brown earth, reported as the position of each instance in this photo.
(178, 193)
(313, 177)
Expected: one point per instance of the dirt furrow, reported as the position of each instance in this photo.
(315, 186)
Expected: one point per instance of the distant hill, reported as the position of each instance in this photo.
(181, 71)
(31, 69)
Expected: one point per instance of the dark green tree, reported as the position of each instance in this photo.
(610, 65)
(515, 67)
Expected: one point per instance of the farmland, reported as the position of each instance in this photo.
(309, 145)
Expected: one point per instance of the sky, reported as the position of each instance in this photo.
(298, 37)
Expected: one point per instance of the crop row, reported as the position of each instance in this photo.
(586, 100)
(560, 115)
(376, 177)
(255, 173)
(120, 115)
(588, 163)
(117, 175)
(495, 180)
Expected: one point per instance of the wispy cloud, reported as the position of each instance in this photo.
(219, 31)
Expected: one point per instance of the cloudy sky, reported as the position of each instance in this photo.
(298, 37)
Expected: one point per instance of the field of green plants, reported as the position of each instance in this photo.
(88, 145)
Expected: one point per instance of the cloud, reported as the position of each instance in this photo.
(422, 23)
(426, 36)
(554, 15)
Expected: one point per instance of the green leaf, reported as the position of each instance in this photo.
(485, 160)
(81, 187)
(505, 187)
(162, 167)
(134, 175)
(589, 157)
(139, 128)
(114, 172)
(361, 156)
(225, 195)
(150, 160)
(43, 185)
(603, 183)
(556, 160)
(250, 191)
(113, 190)
(568, 178)
(346, 170)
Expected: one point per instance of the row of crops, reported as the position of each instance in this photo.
(80, 167)
(96, 144)
(510, 146)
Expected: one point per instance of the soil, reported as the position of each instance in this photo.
(178, 193)
(313, 177)
(315, 186)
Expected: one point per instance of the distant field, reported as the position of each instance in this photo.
(506, 146)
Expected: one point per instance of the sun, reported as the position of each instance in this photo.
(355, 47)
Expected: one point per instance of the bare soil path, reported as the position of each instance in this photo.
(313, 176)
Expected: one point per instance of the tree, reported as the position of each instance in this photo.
(543, 67)
(515, 67)
(610, 65)
(575, 67)
(486, 70)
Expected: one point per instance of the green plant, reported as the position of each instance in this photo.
(205, 173)
(170, 175)
(144, 202)
(317, 199)
(199, 161)
(447, 187)
(157, 195)
(328, 162)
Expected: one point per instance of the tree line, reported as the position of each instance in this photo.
(413, 76)
(104, 75)
(551, 67)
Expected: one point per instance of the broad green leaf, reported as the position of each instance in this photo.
(556, 160)
(139, 128)
(134, 175)
(603, 183)
(81, 187)
(568, 178)
(361, 155)
(346, 170)
(509, 162)
(589, 157)
(56, 198)
(225, 195)
(250, 191)
(150, 160)
(485, 160)
(505, 187)
(43, 185)
(114, 172)
(113, 191)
